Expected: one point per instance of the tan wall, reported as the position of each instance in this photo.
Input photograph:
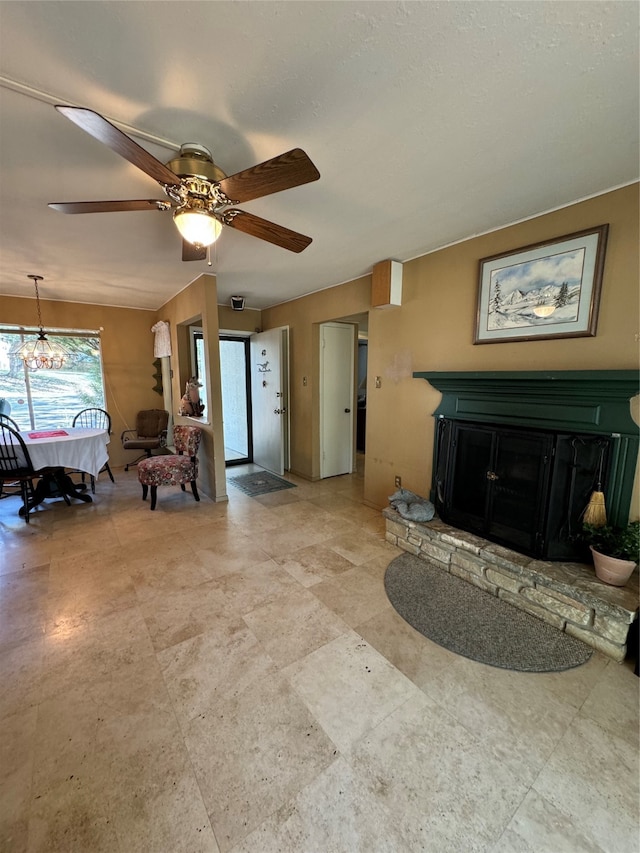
(197, 304)
(249, 320)
(303, 316)
(434, 329)
(127, 355)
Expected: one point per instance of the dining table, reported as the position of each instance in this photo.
(54, 450)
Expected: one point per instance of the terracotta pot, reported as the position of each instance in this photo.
(612, 570)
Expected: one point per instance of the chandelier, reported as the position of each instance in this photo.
(41, 353)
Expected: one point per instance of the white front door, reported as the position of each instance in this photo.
(270, 399)
(336, 399)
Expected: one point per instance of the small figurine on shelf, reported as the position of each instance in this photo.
(191, 404)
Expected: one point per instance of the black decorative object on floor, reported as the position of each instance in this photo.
(260, 483)
(467, 620)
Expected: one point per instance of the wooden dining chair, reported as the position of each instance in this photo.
(9, 421)
(94, 418)
(14, 487)
(16, 466)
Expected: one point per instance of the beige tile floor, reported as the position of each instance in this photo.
(231, 678)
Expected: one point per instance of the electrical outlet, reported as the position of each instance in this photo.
(398, 481)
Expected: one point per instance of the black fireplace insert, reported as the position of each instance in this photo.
(518, 454)
(523, 488)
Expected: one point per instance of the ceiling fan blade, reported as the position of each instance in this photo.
(102, 130)
(280, 173)
(265, 230)
(193, 253)
(108, 206)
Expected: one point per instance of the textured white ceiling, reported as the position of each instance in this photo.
(429, 122)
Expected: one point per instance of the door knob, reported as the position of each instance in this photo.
(491, 475)
(347, 410)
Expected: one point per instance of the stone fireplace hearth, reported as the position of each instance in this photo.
(564, 594)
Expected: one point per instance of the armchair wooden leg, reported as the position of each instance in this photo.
(145, 490)
(154, 495)
(195, 490)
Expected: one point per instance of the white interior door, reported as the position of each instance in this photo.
(270, 399)
(336, 399)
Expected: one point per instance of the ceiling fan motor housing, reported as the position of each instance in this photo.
(195, 161)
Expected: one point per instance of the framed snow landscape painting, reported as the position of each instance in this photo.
(546, 290)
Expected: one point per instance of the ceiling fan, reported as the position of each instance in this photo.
(199, 193)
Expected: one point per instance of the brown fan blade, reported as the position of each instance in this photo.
(280, 173)
(193, 253)
(102, 130)
(265, 230)
(108, 206)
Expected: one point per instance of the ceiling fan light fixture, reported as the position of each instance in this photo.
(198, 227)
(41, 353)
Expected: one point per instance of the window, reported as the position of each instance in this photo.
(49, 399)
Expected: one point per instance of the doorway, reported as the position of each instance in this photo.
(361, 415)
(336, 399)
(236, 400)
(359, 392)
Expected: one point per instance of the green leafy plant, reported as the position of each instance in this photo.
(620, 542)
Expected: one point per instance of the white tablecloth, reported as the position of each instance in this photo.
(81, 449)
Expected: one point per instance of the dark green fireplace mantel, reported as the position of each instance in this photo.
(575, 401)
(595, 401)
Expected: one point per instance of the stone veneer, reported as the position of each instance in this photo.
(567, 595)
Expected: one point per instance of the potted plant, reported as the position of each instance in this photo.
(615, 551)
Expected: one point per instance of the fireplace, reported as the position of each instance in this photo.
(518, 454)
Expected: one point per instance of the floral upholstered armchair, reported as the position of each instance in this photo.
(176, 469)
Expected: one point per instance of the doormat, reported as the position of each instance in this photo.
(260, 483)
(473, 623)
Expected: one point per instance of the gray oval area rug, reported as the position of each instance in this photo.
(473, 623)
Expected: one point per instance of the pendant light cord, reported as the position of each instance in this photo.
(38, 304)
(36, 279)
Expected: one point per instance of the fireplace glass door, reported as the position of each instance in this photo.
(525, 489)
(498, 479)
